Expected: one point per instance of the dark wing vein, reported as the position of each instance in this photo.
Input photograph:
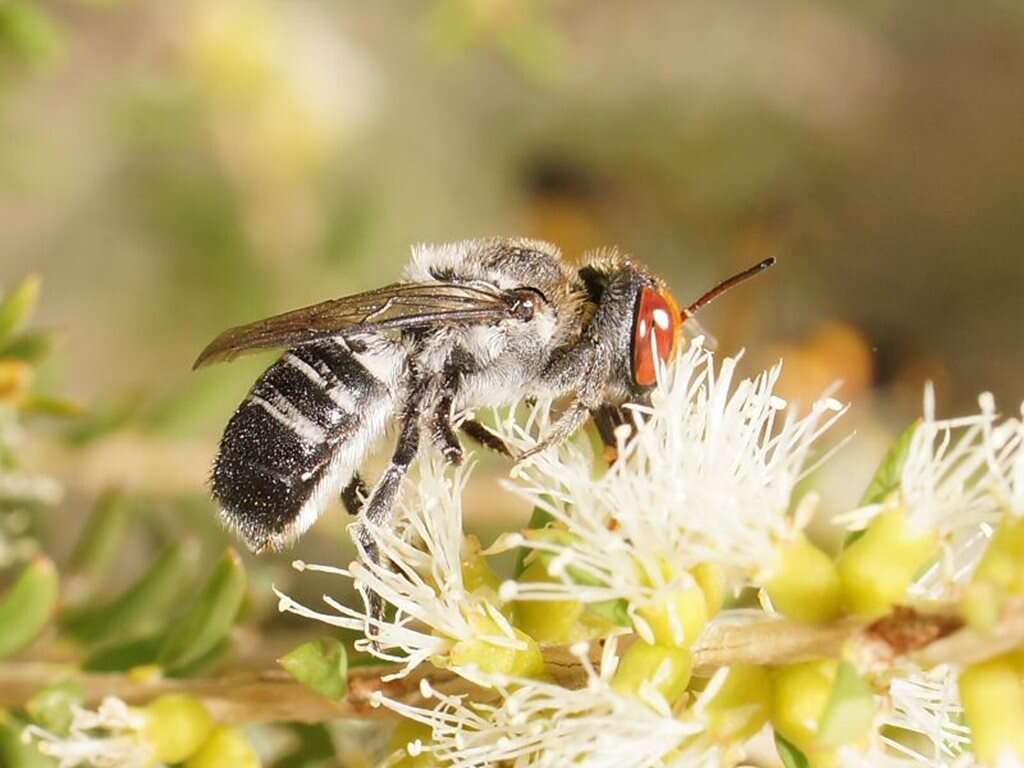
(400, 305)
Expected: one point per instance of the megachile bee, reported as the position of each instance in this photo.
(475, 323)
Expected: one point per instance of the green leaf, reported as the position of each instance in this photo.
(850, 710)
(30, 347)
(538, 520)
(320, 665)
(50, 708)
(887, 477)
(120, 657)
(28, 605)
(209, 618)
(16, 309)
(791, 756)
(44, 405)
(140, 603)
(101, 542)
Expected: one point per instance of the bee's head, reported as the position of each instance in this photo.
(639, 319)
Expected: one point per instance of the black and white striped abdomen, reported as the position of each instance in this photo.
(295, 441)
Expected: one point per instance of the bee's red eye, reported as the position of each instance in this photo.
(657, 314)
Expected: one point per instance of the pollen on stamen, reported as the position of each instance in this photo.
(298, 565)
(508, 590)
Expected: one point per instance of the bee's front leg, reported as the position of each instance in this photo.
(582, 370)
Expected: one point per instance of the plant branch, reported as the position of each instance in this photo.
(271, 695)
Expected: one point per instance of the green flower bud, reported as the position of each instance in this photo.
(805, 586)
(225, 747)
(667, 668)
(876, 569)
(178, 725)
(993, 701)
(741, 706)
(676, 618)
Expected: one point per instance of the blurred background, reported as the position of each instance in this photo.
(174, 168)
(170, 169)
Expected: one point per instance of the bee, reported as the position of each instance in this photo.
(472, 324)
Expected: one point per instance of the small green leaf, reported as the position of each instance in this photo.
(30, 347)
(210, 617)
(320, 665)
(791, 756)
(850, 710)
(144, 600)
(614, 611)
(51, 707)
(45, 405)
(101, 542)
(120, 657)
(538, 520)
(887, 477)
(28, 605)
(17, 308)
(14, 753)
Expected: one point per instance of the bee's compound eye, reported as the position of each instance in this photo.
(526, 301)
(655, 332)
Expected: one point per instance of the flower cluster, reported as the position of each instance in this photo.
(633, 561)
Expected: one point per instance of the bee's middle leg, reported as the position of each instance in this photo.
(441, 431)
(376, 510)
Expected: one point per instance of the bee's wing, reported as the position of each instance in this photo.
(400, 305)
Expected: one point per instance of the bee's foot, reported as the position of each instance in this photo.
(454, 455)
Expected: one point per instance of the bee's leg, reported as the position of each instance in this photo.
(442, 433)
(571, 419)
(480, 434)
(582, 370)
(354, 494)
(376, 510)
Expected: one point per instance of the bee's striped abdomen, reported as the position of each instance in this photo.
(296, 440)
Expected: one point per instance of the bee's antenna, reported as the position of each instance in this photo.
(725, 285)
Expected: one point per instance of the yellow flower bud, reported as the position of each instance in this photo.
(1001, 565)
(177, 726)
(877, 568)
(405, 733)
(711, 579)
(676, 618)
(225, 747)
(800, 693)
(476, 573)
(667, 668)
(741, 706)
(993, 701)
(980, 605)
(805, 585)
(547, 621)
(497, 659)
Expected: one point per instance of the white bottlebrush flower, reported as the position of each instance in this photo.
(420, 575)
(960, 477)
(110, 737)
(543, 724)
(707, 478)
(926, 704)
